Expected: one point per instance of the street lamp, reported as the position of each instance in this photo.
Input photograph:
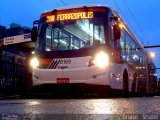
(152, 54)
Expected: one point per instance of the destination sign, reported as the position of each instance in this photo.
(69, 16)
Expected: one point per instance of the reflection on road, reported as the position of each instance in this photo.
(82, 106)
(117, 108)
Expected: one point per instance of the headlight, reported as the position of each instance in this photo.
(34, 62)
(101, 60)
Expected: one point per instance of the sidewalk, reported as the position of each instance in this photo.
(9, 96)
(9, 93)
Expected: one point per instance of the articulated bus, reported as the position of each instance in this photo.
(90, 47)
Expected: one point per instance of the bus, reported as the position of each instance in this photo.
(88, 46)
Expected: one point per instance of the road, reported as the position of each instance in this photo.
(113, 108)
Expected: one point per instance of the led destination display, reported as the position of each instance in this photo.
(69, 16)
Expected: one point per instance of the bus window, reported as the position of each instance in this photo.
(48, 39)
(96, 42)
(73, 34)
(122, 46)
(41, 33)
(75, 43)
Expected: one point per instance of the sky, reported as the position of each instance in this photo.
(142, 16)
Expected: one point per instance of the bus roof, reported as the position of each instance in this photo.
(74, 7)
(78, 6)
(96, 6)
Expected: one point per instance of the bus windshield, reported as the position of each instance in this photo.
(71, 34)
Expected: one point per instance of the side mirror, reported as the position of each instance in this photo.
(117, 32)
(34, 33)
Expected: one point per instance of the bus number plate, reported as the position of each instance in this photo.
(62, 80)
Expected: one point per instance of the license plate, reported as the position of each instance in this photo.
(62, 80)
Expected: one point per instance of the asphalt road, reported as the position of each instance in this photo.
(88, 109)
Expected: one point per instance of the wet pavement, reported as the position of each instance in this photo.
(113, 108)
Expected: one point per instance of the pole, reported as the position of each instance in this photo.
(153, 46)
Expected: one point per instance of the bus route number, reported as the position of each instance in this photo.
(65, 61)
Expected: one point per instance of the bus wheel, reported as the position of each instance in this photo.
(125, 84)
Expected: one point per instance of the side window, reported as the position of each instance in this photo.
(123, 45)
(122, 41)
(135, 54)
(48, 38)
(112, 33)
(39, 40)
(128, 48)
(142, 58)
(41, 34)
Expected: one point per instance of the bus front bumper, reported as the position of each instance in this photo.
(86, 75)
